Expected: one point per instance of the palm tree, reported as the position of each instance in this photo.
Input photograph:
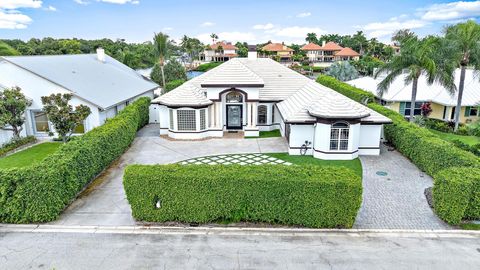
(160, 42)
(417, 57)
(311, 38)
(463, 41)
(214, 37)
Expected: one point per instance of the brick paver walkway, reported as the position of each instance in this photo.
(241, 159)
(395, 200)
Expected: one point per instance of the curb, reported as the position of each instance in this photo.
(166, 230)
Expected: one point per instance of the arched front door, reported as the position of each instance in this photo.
(234, 108)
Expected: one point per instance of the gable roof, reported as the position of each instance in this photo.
(331, 46)
(104, 84)
(398, 91)
(225, 46)
(347, 52)
(276, 47)
(311, 47)
(299, 98)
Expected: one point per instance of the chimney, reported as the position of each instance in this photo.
(101, 55)
(323, 43)
(252, 52)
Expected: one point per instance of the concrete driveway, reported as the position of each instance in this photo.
(104, 202)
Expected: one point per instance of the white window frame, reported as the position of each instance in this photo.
(339, 131)
(34, 126)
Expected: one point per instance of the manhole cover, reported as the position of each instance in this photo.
(382, 173)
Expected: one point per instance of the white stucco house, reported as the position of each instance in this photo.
(258, 94)
(95, 80)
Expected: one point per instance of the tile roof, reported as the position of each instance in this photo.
(311, 47)
(276, 47)
(347, 52)
(102, 83)
(332, 46)
(436, 93)
(225, 46)
(300, 99)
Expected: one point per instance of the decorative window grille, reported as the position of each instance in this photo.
(203, 122)
(234, 97)
(262, 114)
(339, 134)
(171, 119)
(186, 120)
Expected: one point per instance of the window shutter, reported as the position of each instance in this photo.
(467, 111)
(402, 108)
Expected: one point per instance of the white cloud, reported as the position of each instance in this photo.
(451, 11)
(167, 29)
(383, 29)
(81, 2)
(296, 31)
(14, 4)
(13, 20)
(263, 26)
(207, 24)
(50, 8)
(228, 36)
(303, 14)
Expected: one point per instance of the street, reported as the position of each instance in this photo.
(218, 248)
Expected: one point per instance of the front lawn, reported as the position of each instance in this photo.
(267, 134)
(470, 140)
(29, 156)
(354, 165)
(470, 226)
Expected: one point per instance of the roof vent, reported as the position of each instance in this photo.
(101, 55)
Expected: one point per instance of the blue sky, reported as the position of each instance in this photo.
(246, 20)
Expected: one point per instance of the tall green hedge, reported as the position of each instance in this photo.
(456, 194)
(39, 193)
(312, 196)
(430, 154)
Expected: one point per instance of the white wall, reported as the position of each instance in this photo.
(298, 135)
(322, 143)
(370, 136)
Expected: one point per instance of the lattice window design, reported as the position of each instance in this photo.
(339, 135)
(186, 120)
(203, 119)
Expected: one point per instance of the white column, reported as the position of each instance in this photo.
(211, 114)
(249, 114)
(219, 117)
(254, 114)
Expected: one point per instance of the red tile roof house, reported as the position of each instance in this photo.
(279, 50)
(329, 52)
(249, 95)
(220, 52)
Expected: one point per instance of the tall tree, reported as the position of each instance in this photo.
(62, 115)
(7, 50)
(214, 37)
(311, 38)
(160, 42)
(12, 110)
(463, 41)
(417, 57)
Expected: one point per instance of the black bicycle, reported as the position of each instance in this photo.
(304, 148)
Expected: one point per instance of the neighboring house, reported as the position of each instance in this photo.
(442, 103)
(95, 80)
(329, 52)
(278, 50)
(258, 94)
(396, 49)
(220, 52)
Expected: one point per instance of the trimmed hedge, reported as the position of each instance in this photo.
(40, 192)
(14, 144)
(346, 89)
(207, 66)
(312, 196)
(456, 194)
(453, 188)
(173, 84)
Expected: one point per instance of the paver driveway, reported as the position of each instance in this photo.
(104, 201)
(395, 200)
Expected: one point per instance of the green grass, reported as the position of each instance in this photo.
(470, 226)
(355, 164)
(207, 66)
(29, 156)
(471, 140)
(267, 134)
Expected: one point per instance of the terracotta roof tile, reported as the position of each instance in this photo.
(331, 46)
(311, 47)
(276, 47)
(347, 52)
(225, 46)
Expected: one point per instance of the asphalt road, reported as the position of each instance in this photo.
(238, 249)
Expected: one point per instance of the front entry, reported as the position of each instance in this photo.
(234, 116)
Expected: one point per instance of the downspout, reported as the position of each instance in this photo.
(313, 139)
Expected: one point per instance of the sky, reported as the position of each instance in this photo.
(249, 21)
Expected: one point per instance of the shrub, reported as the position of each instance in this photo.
(40, 192)
(173, 84)
(343, 71)
(474, 128)
(311, 196)
(437, 124)
(475, 149)
(14, 144)
(456, 194)
(173, 71)
(207, 66)
(346, 89)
